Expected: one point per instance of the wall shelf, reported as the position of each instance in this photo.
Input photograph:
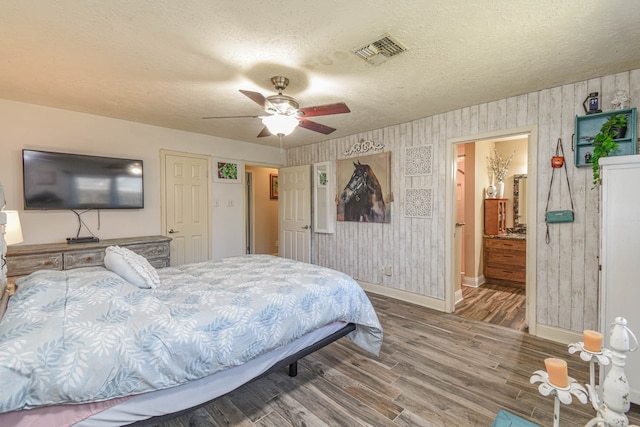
(587, 127)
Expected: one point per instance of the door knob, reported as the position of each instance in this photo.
(306, 227)
(173, 231)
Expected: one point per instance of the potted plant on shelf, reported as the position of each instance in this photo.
(605, 143)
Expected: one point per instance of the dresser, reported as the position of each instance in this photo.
(505, 259)
(25, 259)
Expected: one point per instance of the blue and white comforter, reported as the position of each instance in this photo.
(87, 335)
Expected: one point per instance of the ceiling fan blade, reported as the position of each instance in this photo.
(325, 110)
(231, 117)
(256, 97)
(316, 127)
(264, 132)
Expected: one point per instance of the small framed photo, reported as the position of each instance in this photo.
(227, 171)
(273, 186)
(322, 179)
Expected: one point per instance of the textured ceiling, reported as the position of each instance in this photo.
(171, 62)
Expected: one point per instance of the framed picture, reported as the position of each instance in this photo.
(227, 171)
(273, 186)
(322, 179)
(364, 188)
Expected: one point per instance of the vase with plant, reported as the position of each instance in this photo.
(497, 167)
(604, 143)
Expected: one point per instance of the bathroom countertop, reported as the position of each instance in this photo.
(514, 236)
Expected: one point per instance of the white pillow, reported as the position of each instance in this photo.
(132, 267)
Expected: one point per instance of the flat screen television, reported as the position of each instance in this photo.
(75, 181)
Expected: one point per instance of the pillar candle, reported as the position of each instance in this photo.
(592, 341)
(558, 372)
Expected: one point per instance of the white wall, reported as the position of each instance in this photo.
(43, 128)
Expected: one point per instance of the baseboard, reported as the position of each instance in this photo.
(473, 282)
(421, 300)
(559, 335)
(458, 296)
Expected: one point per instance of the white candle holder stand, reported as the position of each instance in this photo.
(560, 394)
(611, 398)
(602, 357)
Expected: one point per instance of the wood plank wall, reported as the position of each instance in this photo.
(567, 268)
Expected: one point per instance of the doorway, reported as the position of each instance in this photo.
(468, 292)
(261, 211)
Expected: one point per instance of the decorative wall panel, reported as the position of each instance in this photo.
(418, 203)
(418, 160)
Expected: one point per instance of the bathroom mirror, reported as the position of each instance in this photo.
(520, 202)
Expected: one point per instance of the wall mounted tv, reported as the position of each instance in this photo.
(74, 181)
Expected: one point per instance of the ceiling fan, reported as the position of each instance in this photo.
(284, 114)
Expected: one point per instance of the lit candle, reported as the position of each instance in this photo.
(558, 373)
(592, 341)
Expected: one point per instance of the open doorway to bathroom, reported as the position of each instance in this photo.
(490, 264)
(261, 226)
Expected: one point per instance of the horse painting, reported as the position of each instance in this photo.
(362, 198)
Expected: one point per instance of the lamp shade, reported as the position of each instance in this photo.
(280, 124)
(13, 230)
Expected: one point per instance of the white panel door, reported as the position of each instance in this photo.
(186, 206)
(294, 207)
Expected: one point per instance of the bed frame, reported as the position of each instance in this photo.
(291, 361)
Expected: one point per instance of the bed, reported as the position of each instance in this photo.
(89, 347)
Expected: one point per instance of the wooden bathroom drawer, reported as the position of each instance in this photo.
(506, 244)
(505, 259)
(516, 258)
(501, 272)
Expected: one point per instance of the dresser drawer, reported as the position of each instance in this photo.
(27, 264)
(159, 262)
(83, 259)
(513, 274)
(151, 251)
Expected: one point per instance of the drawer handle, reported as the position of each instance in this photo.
(48, 262)
(89, 258)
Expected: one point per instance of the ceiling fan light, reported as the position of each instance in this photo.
(279, 124)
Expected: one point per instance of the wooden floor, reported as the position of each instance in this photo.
(498, 304)
(435, 369)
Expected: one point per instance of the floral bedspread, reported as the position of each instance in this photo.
(87, 335)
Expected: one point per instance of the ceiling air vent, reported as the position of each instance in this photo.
(380, 50)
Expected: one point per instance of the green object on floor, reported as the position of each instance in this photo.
(507, 419)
